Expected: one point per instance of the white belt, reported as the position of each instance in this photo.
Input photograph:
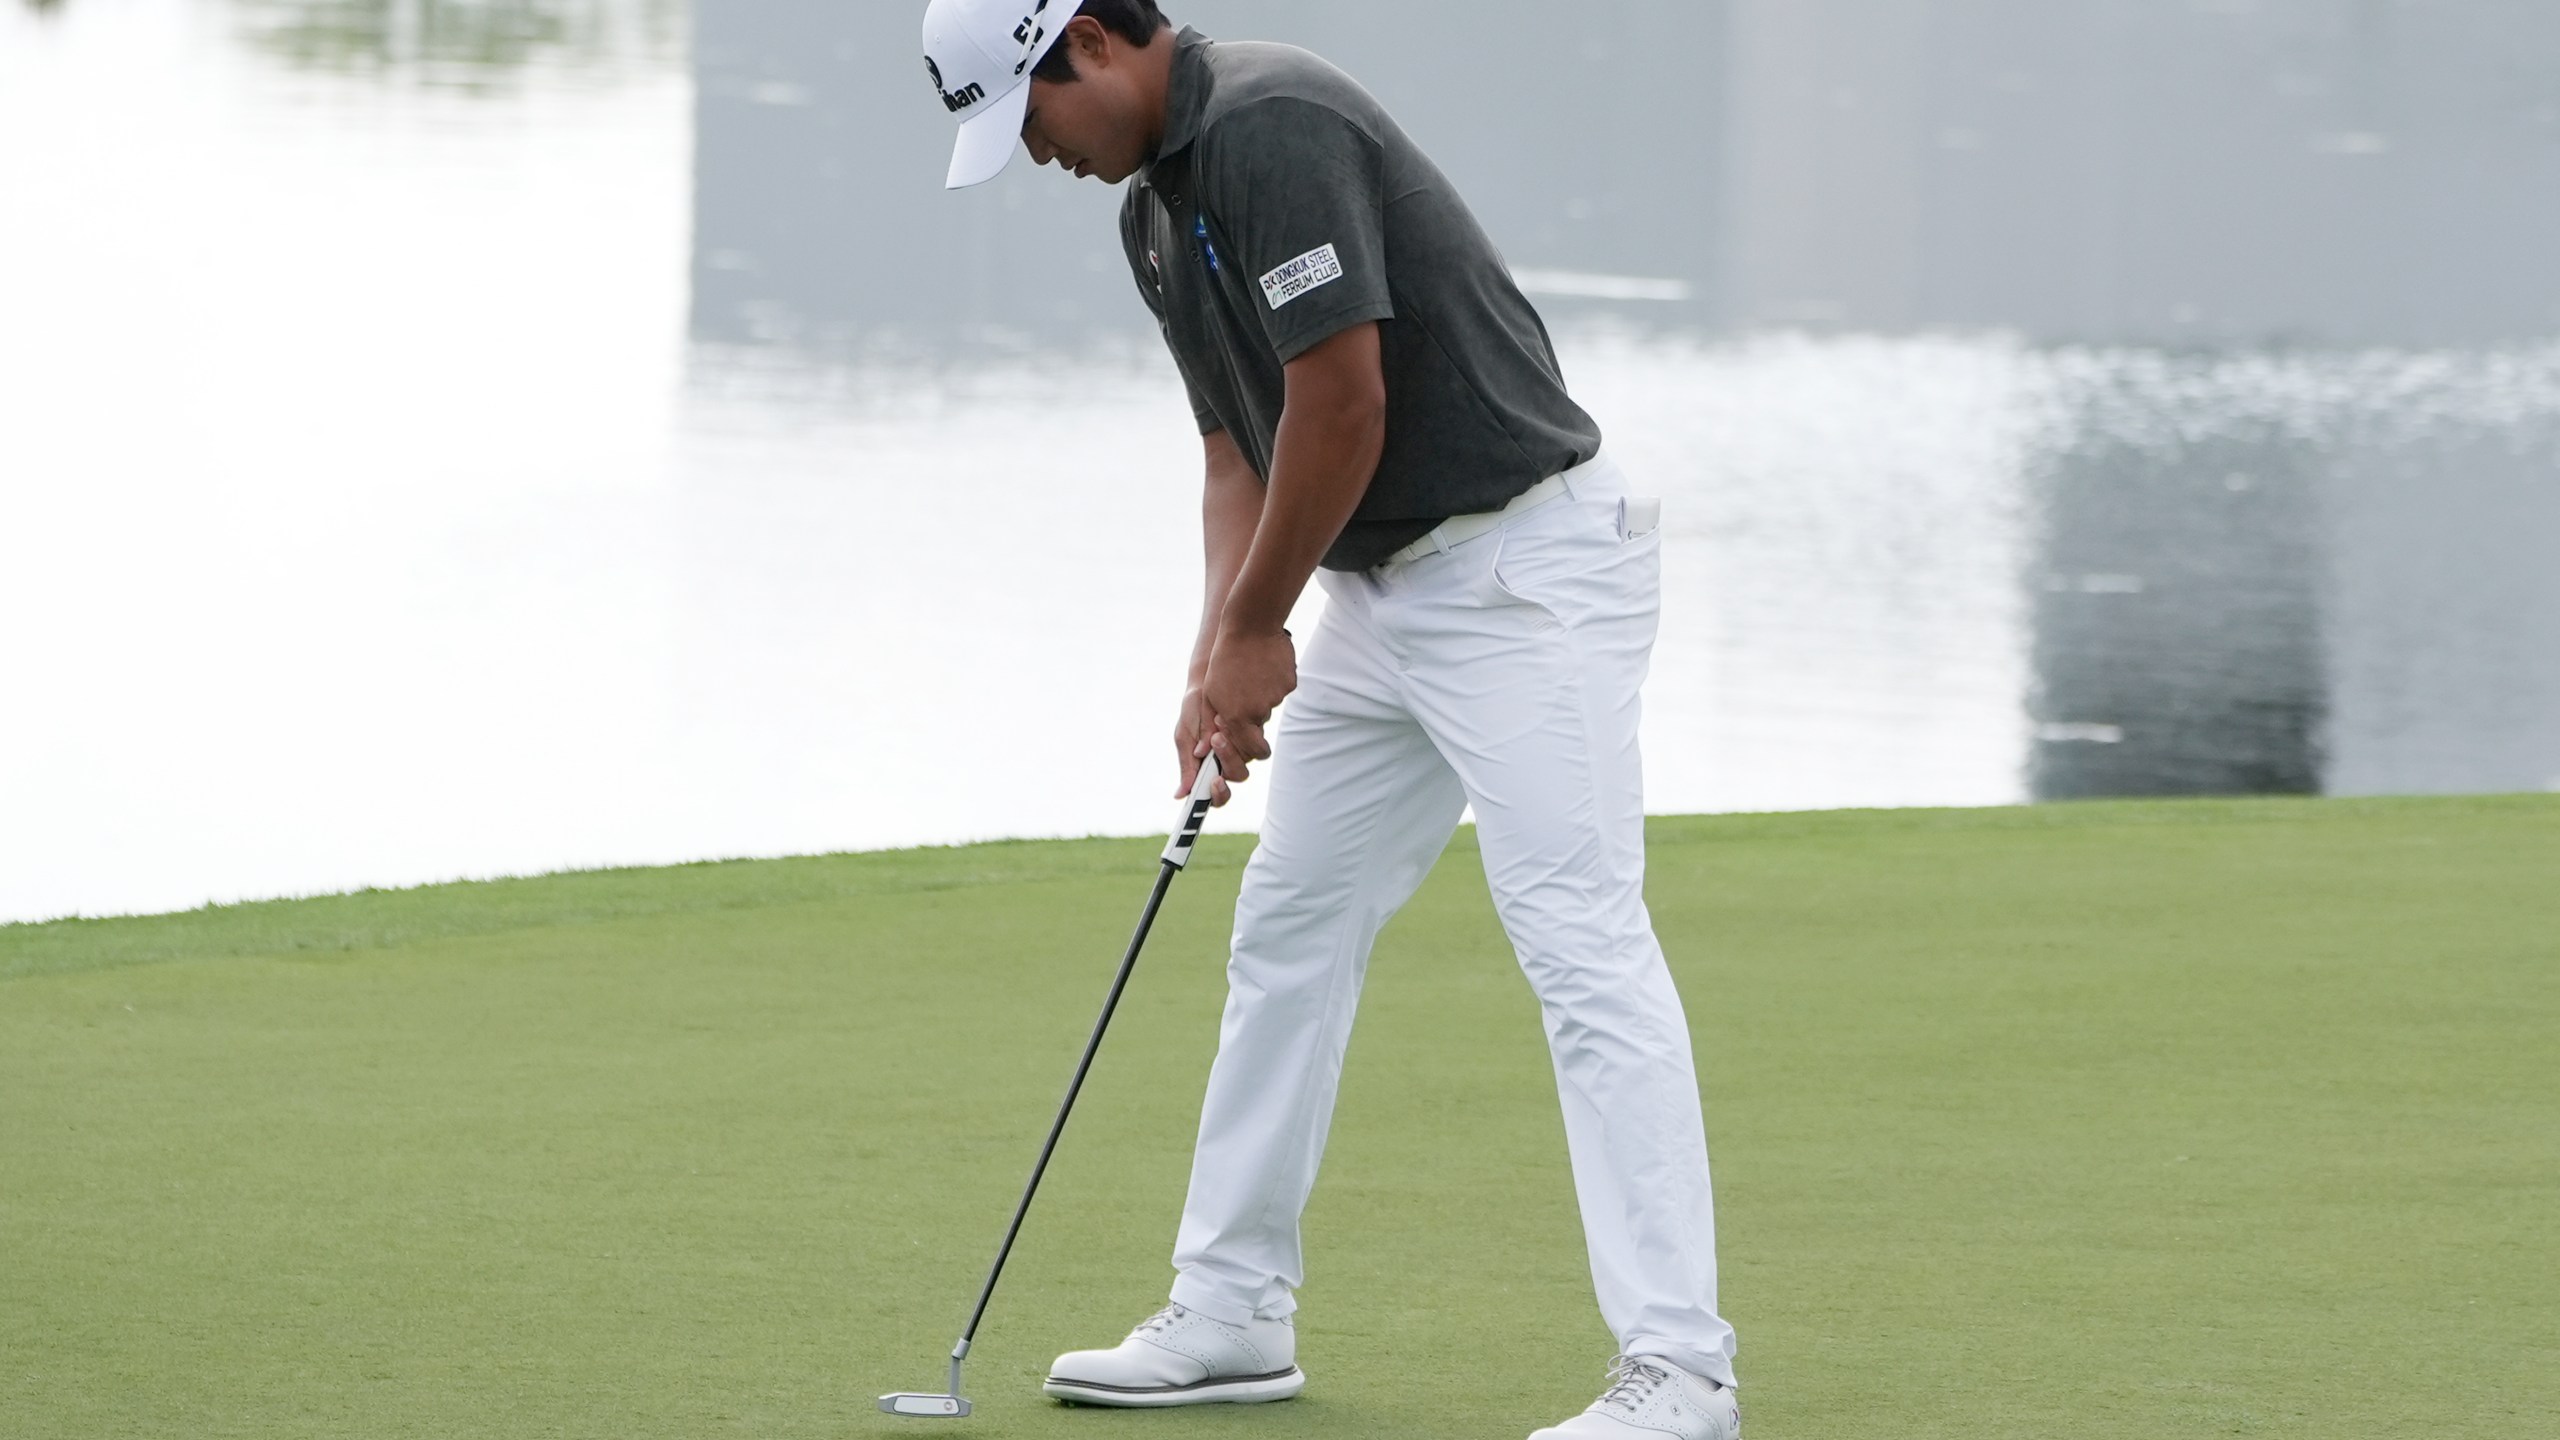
(1459, 529)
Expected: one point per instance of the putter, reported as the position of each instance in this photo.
(1177, 854)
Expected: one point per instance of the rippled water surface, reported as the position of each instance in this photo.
(470, 439)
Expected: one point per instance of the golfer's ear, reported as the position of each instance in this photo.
(1088, 43)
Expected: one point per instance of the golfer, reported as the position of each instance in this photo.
(1381, 410)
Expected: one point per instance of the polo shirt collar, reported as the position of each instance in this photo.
(1186, 97)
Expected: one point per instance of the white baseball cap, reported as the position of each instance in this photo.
(981, 53)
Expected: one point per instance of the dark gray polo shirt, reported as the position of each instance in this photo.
(1284, 207)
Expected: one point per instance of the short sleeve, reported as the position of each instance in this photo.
(1134, 246)
(1297, 192)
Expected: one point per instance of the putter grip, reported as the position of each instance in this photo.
(1195, 813)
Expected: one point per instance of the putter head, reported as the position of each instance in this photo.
(928, 1407)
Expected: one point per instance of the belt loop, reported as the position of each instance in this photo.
(1570, 493)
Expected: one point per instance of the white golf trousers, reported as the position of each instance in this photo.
(1502, 673)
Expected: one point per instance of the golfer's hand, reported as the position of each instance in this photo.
(1249, 675)
(1191, 746)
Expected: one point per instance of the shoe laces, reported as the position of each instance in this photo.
(1163, 1319)
(1632, 1380)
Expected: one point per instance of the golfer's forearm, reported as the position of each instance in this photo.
(1332, 430)
(1230, 509)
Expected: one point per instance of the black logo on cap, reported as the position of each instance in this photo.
(958, 100)
(1029, 34)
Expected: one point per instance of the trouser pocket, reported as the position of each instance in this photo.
(1600, 559)
(1638, 516)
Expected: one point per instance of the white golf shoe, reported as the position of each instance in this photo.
(1182, 1357)
(1648, 1398)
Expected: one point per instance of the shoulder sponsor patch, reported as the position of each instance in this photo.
(1319, 266)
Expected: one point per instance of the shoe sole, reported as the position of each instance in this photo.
(1239, 1390)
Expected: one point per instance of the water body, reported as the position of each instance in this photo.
(448, 439)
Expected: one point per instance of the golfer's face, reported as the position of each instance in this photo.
(1076, 127)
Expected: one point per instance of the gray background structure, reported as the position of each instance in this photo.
(2181, 172)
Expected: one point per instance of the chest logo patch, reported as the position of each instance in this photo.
(1318, 267)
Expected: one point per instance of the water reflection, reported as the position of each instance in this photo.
(1842, 626)
(2444, 600)
(2298, 572)
(554, 445)
(2176, 591)
(465, 44)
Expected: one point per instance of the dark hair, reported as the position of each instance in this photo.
(1136, 21)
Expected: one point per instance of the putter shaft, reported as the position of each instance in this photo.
(1177, 855)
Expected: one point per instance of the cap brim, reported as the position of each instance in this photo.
(988, 139)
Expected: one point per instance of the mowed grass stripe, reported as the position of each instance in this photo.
(379, 919)
(2109, 1120)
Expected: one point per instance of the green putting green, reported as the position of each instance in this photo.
(2091, 1121)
